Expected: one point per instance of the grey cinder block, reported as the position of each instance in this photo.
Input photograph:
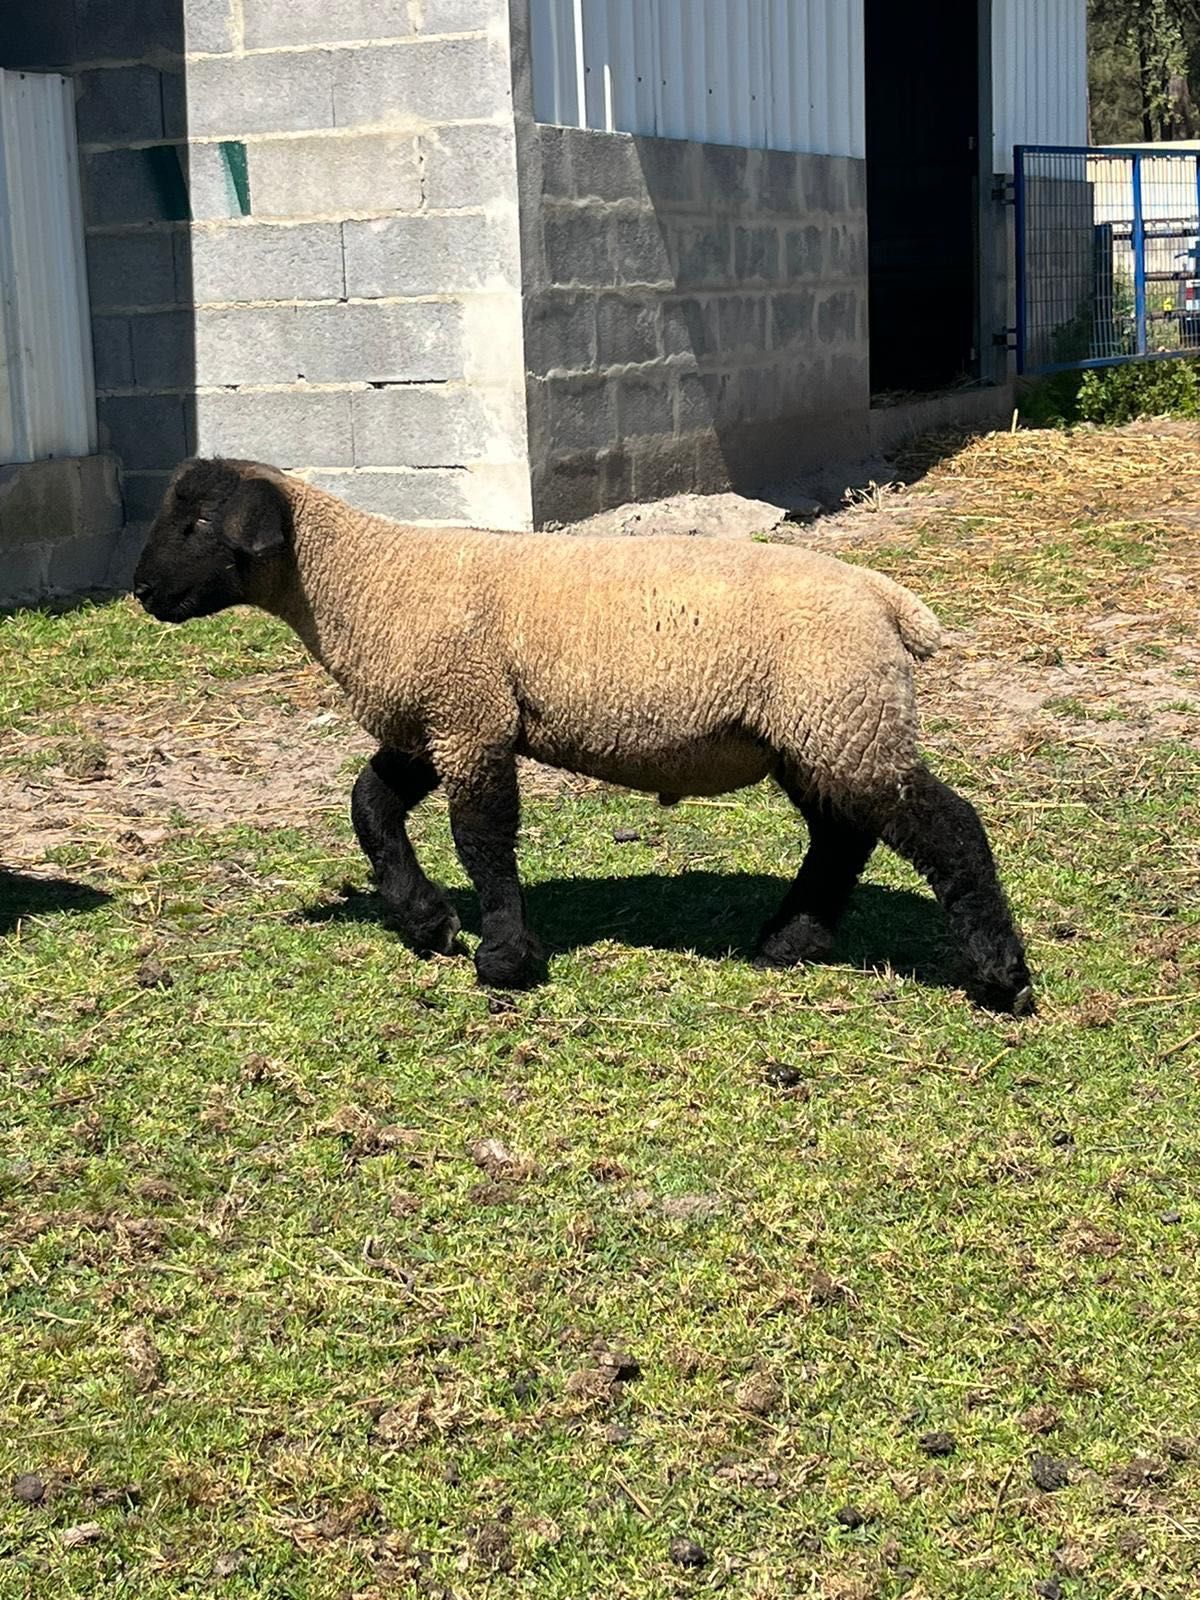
(560, 331)
(693, 405)
(236, 96)
(144, 430)
(112, 349)
(457, 16)
(413, 343)
(208, 25)
(427, 496)
(467, 166)
(670, 170)
(127, 186)
(756, 254)
(604, 166)
(577, 413)
(645, 405)
(270, 23)
(427, 255)
(805, 249)
(116, 104)
(579, 248)
(703, 255)
(131, 269)
(792, 317)
(329, 344)
(418, 425)
(143, 493)
(424, 82)
(265, 261)
(342, 175)
(640, 252)
(554, 148)
(724, 175)
(626, 331)
(690, 328)
(163, 350)
(742, 324)
(116, 30)
(837, 316)
(290, 430)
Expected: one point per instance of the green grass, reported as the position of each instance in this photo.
(270, 1326)
(100, 654)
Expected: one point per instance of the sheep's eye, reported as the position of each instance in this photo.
(202, 525)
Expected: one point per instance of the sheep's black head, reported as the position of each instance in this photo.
(220, 524)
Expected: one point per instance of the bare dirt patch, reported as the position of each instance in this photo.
(1071, 564)
(275, 750)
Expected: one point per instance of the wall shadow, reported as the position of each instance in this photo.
(22, 896)
(709, 914)
(138, 190)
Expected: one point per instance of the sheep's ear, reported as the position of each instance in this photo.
(255, 518)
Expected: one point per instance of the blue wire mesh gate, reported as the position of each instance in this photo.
(1108, 256)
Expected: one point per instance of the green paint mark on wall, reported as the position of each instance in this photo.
(233, 153)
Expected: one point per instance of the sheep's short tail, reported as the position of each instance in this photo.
(919, 630)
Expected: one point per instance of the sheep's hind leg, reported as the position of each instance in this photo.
(484, 816)
(941, 834)
(388, 788)
(803, 928)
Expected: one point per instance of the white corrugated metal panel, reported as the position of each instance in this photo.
(47, 385)
(779, 74)
(1039, 74)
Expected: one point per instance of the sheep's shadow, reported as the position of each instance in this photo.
(22, 896)
(709, 914)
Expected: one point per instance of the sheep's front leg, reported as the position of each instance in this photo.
(388, 788)
(484, 816)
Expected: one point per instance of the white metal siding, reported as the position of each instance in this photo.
(47, 385)
(1039, 74)
(781, 74)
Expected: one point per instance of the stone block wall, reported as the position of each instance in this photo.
(695, 316)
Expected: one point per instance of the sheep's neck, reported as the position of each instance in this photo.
(329, 600)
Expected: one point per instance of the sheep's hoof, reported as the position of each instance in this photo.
(1010, 998)
(436, 935)
(516, 965)
(1003, 984)
(803, 940)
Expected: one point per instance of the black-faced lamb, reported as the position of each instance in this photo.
(680, 667)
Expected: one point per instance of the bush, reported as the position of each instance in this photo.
(1141, 389)
(1114, 395)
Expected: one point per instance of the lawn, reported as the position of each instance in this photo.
(327, 1275)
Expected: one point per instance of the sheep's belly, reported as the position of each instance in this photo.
(702, 768)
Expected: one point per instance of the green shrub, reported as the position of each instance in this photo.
(1141, 389)
(1053, 402)
(1114, 395)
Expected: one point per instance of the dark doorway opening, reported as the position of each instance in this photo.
(923, 143)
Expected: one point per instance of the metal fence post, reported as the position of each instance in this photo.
(1019, 223)
(1139, 257)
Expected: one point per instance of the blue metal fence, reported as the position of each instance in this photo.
(1108, 255)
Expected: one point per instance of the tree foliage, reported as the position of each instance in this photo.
(1145, 70)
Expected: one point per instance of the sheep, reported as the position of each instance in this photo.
(678, 667)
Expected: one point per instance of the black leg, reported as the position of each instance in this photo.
(941, 834)
(484, 815)
(803, 927)
(388, 788)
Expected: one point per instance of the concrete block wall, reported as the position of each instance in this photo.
(695, 316)
(303, 243)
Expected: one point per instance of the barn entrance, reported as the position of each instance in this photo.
(923, 167)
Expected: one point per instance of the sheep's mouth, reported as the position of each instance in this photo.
(162, 609)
